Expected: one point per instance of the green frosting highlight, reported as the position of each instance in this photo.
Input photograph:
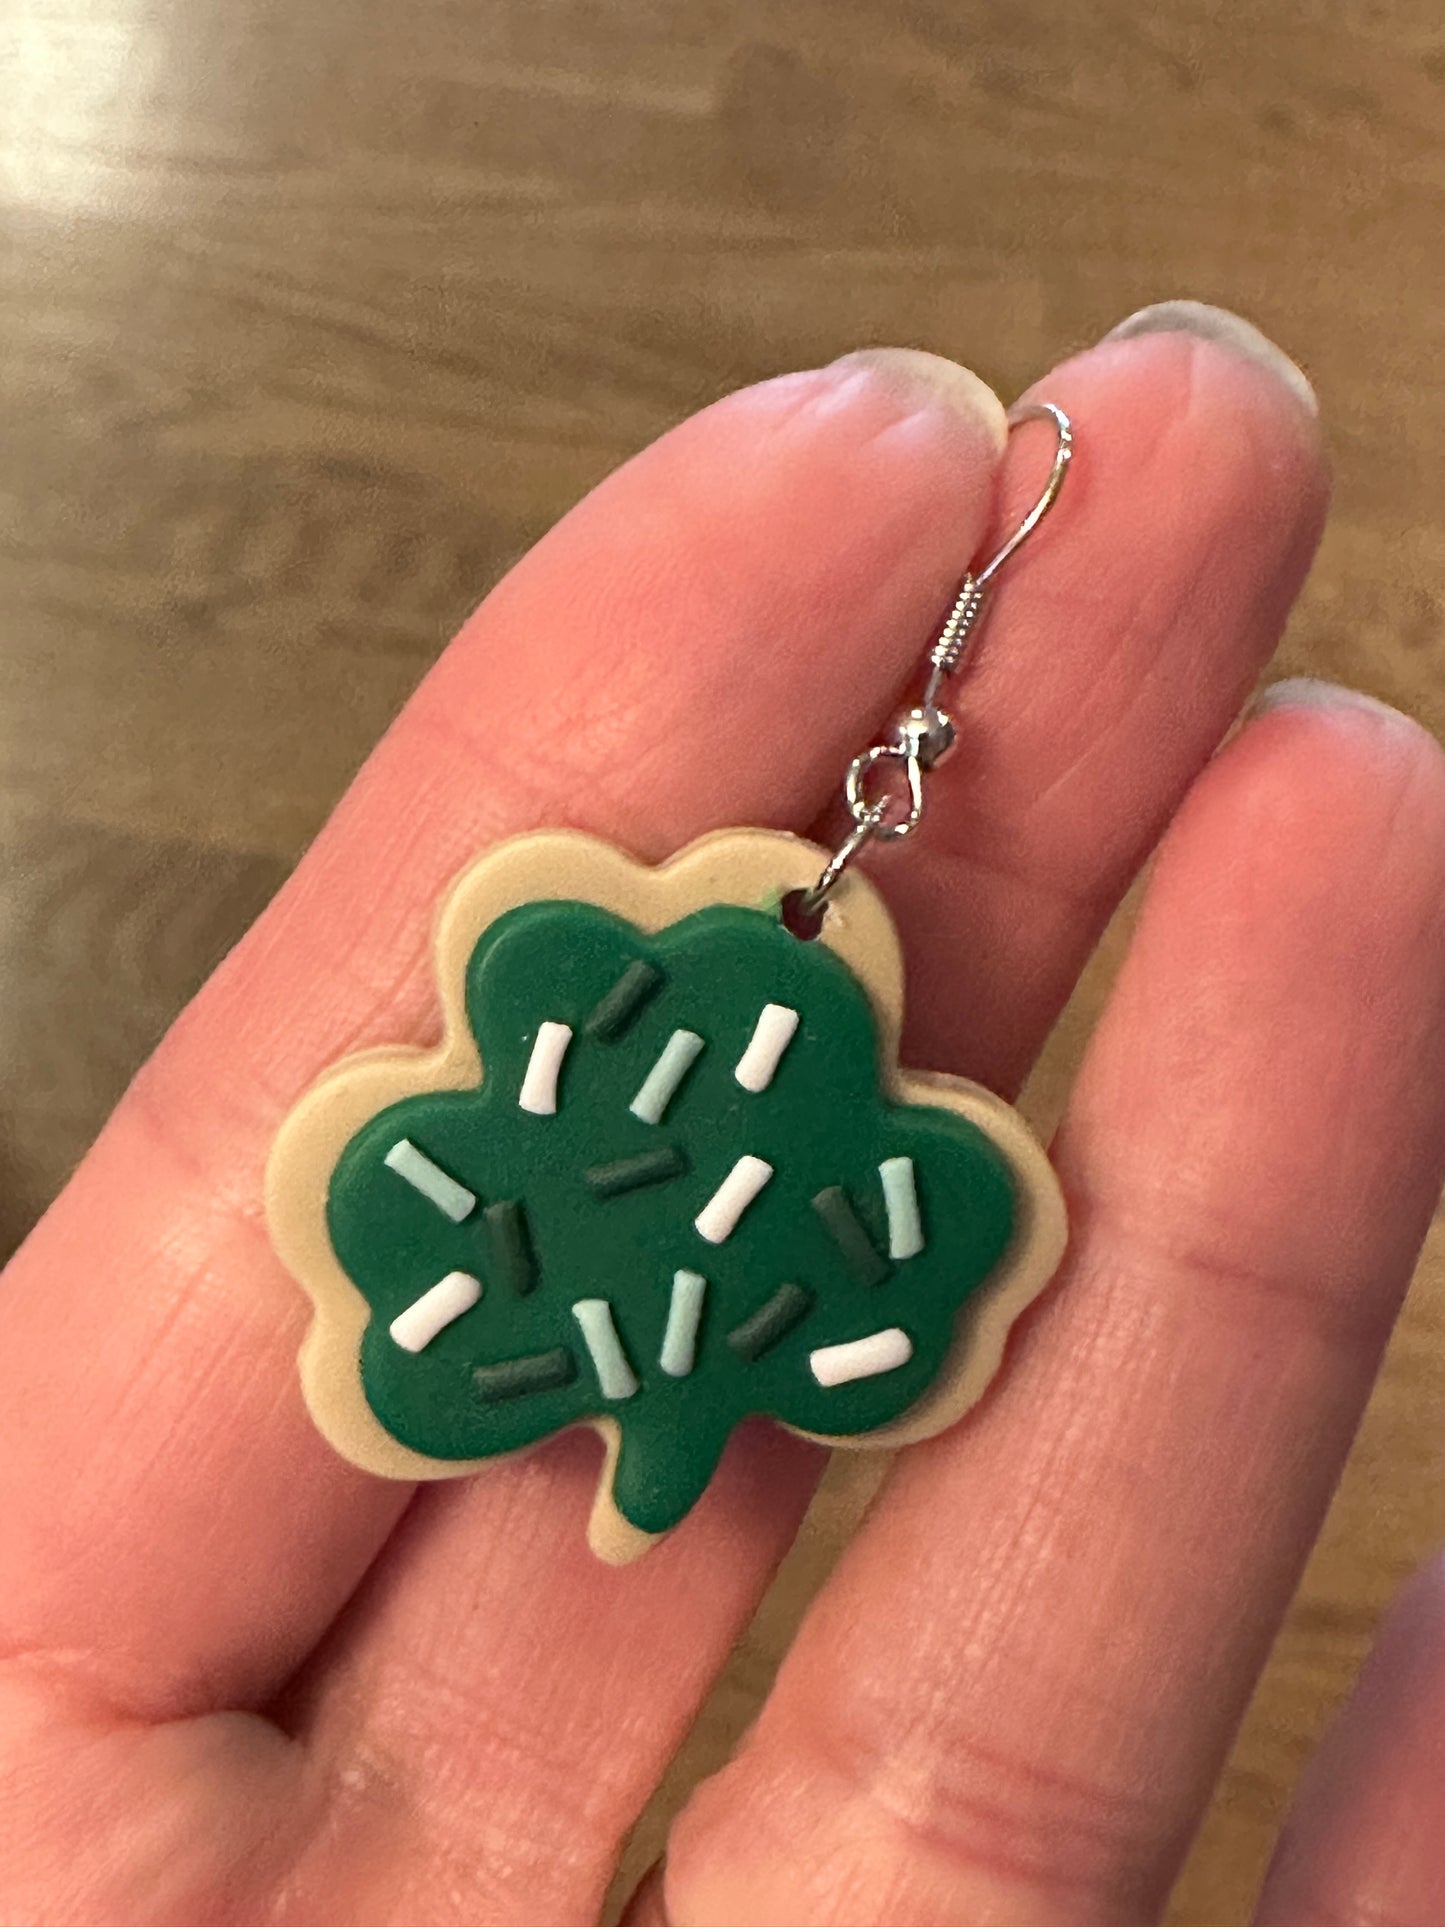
(502, 1375)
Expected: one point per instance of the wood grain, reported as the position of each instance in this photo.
(311, 318)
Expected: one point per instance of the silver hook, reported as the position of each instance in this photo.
(968, 607)
(924, 735)
(1034, 411)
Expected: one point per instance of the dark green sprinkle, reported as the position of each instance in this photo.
(628, 1174)
(516, 1377)
(848, 1232)
(770, 1322)
(617, 1009)
(512, 1257)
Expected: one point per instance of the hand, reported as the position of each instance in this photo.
(245, 1683)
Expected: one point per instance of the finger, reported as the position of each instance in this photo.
(1365, 1842)
(390, 1680)
(805, 531)
(1012, 1698)
(1123, 642)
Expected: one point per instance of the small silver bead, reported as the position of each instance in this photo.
(926, 734)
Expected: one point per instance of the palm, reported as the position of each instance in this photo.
(244, 1681)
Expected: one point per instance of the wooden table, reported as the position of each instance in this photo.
(313, 317)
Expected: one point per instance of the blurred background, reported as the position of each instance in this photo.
(313, 317)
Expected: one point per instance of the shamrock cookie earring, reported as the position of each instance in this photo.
(664, 1171)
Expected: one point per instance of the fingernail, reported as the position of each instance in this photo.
(1231, 331)
(925, 380)
(1309, 692)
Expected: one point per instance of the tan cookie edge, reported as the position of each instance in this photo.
(746, 867)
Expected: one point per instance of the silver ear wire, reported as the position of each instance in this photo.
(924, 735)
(1035, 411)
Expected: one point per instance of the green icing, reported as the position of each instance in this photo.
(823, 1124)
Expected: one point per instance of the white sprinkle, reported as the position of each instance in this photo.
(660, 1085)
(416, 1327)
(881, 1351)
(718, 1217)
(434, 1184)
(614, 1374)
(679, 1341)
(771, 1036)
(539, 1087)
(900, 1195)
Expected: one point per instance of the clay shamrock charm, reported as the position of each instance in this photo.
(662, 1174)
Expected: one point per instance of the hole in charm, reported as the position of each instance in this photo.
(800, 918)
